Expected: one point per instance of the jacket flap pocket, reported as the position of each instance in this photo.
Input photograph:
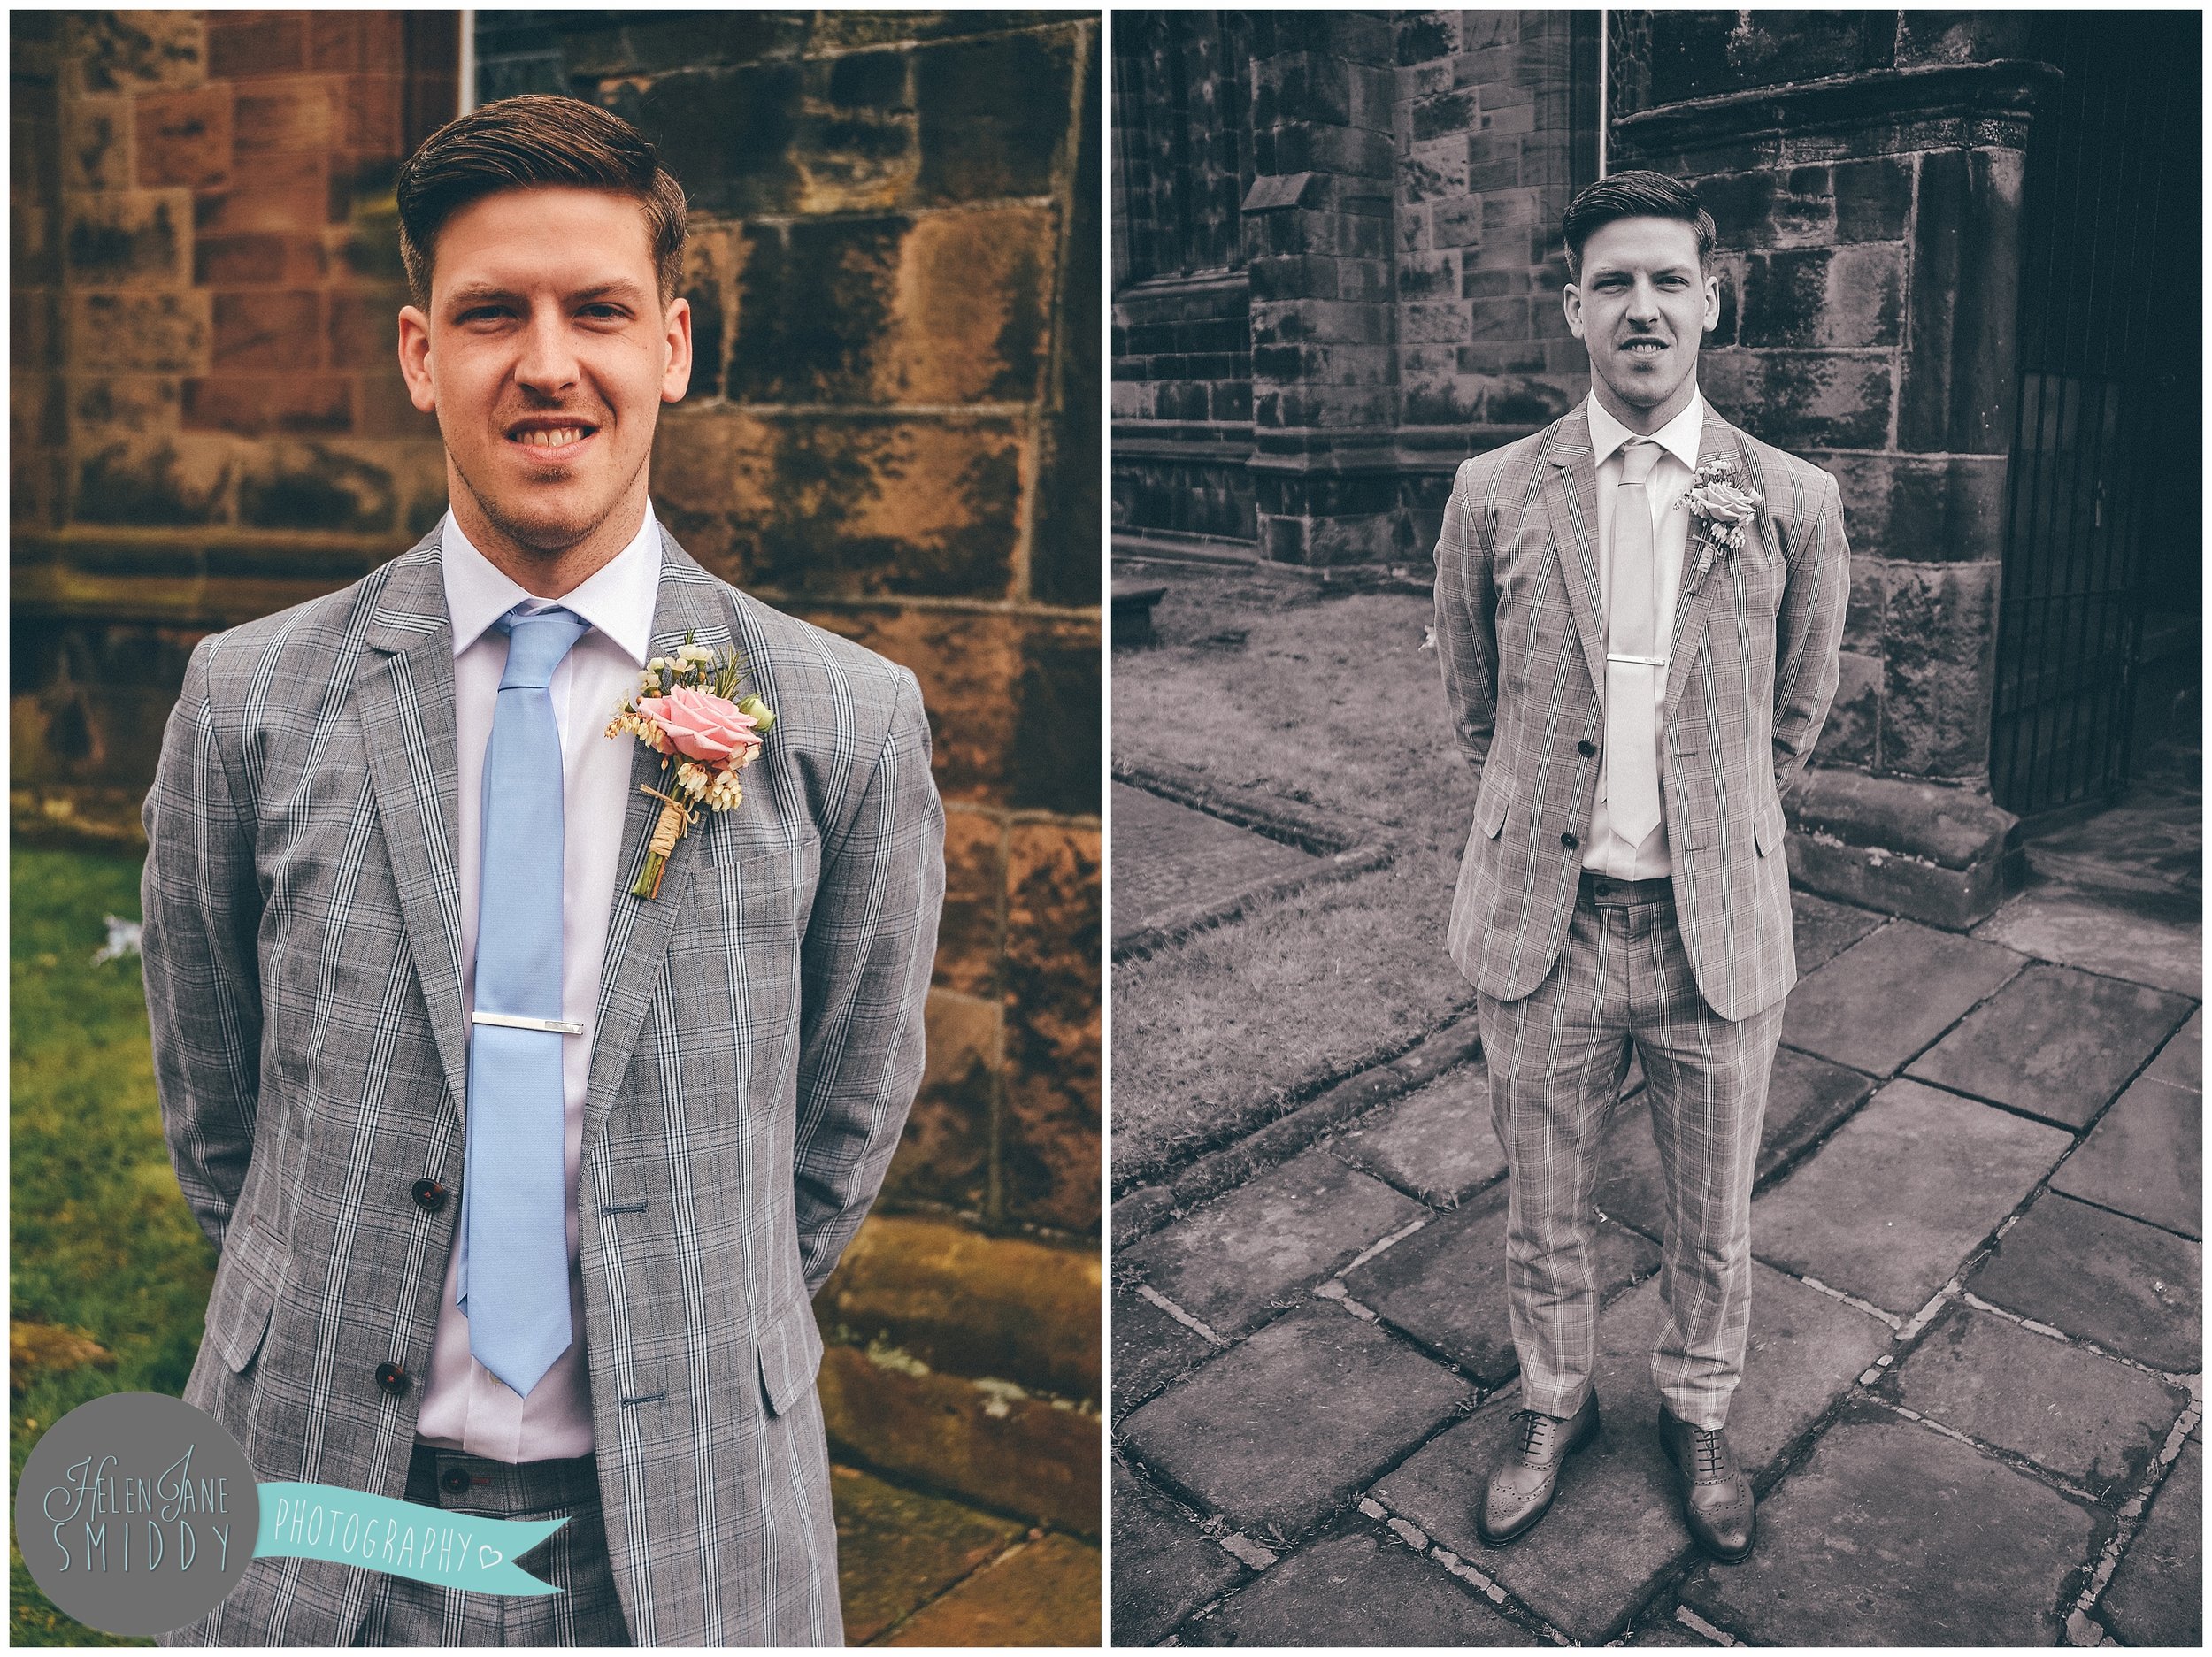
(1490, 815)
(1767, 830)
(245, 1295)
(790, 1352)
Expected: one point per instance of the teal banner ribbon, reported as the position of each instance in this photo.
(401, 1538)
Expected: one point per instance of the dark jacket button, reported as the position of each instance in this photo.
(1587, 748)
(455, 1479)
(429, 1195)
(1569, 841)
(392, 1378)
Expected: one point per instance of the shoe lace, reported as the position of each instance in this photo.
(1707, 1447)
(1536, 1431)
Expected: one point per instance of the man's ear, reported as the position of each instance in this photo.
(1571, 299)
(1712, 300)
(414, 359)
(677, 323)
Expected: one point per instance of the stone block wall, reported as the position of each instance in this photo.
(1869, 253)
(893, 430)
(1490, 151)
(1400, 280)
(1182, 330)
(209, 419)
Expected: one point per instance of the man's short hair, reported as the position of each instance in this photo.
(1634, 195)
(527, 142)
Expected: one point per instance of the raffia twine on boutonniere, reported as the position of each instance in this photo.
(685, 713)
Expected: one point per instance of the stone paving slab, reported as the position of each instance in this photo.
(2092, 1420)
(1824, 930)
(1163, 1569)
(1149, 1347)
(1667, 1631)
(1235, 1259)
(2156, 1596)
(2145, 1158)
(1436, 1142)
(2058, 923)
(1445, 1285)
(1353, 1587)
(1044, 1593)
(1891, 1534)
(1878, 1003)
(2055, 1043)
(1285, 1427)
(898, 1548)
(1806, 1098)
(1615, 1525)
(1893, 1204)
(2129, 1287)
(1169, 859)
(2180, 1063)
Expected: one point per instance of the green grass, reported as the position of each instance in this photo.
(102, 1241)
(1330, 701)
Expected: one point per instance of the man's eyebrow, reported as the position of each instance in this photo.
(485, 293)
(1618, 270)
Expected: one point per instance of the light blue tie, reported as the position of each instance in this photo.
(514, 1216)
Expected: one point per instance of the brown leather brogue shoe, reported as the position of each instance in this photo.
(1716, 1503)
(1525, 1476)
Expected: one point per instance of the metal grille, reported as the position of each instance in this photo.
(2104, 468)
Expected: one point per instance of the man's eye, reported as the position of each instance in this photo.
(603, 313)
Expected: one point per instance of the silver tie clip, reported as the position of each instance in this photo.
(509, 1020)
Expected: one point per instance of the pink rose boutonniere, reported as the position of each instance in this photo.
(684, 713)
(1723, 504)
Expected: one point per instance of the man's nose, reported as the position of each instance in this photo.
(1643, 303)
(547, 364)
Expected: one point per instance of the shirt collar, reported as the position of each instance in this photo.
(617, 599)
(1679, 436)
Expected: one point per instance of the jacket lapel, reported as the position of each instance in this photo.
(638, 929)
(403, 694)
(1692, 608)
(1571, 502)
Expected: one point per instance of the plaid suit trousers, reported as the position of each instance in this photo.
(587, 1611)
(1557, 1059)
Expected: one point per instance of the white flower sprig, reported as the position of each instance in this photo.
(1723, 505)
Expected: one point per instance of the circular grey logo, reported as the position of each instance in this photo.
(137, 1512)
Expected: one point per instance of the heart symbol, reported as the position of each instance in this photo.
(487, 1556)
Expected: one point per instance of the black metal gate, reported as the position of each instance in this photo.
(2102, 517)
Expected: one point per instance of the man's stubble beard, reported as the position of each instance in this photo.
(538, 540)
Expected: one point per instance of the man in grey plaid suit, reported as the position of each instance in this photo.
(1638, 611)
(726, 1064)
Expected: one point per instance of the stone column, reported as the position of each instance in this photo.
(1867, 188)
(1316, 241)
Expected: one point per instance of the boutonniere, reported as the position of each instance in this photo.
(683, 712)
(1723, 504)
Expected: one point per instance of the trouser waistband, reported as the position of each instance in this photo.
(439, 1477)
(1605, 889)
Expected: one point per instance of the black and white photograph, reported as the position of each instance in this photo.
(1656, 828)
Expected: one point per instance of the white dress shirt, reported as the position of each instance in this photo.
(464, 1407)
(1605, 852)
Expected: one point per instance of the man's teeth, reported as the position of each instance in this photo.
(553, 439)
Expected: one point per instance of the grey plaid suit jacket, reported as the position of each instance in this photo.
(758, 1043)
(1751, 674)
